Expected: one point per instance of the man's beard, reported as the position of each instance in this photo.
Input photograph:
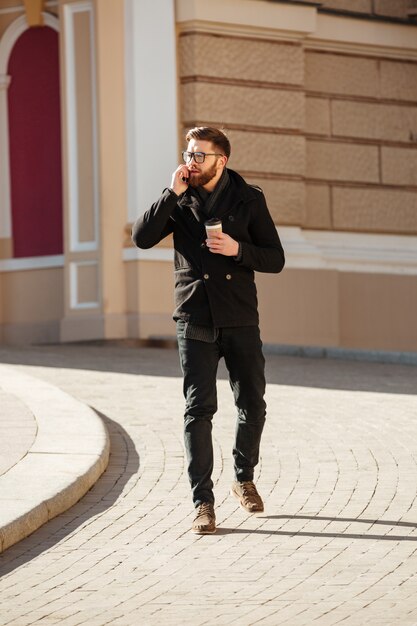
(199, 180)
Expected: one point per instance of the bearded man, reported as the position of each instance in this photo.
(216, 308)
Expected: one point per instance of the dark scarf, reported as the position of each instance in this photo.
(208, 201)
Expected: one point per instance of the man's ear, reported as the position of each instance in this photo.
(223, 159)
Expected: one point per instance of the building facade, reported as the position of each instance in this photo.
(319, 100)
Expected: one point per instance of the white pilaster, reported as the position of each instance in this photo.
(151, 97)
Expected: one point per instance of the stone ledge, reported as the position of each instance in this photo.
(69, 454)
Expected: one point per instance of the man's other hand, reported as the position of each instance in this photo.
(220, 243)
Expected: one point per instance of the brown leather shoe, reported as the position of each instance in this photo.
(248, 496)
(205, 520)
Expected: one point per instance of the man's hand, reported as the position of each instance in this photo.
(220, 243)
(177, 183)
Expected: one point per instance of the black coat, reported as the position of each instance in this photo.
(213, 289)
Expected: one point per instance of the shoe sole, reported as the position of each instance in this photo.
(235, 495)
(203, 532)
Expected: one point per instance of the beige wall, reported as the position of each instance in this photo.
(7, 18)
(112, 160)
(25, 317)
(378, 311)
(149, 287)
(349, 310)
(298, 307)
(324, 131)
(6, 248)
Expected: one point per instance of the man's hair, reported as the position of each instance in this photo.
(207, 133)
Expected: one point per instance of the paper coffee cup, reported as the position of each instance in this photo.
(213, 226)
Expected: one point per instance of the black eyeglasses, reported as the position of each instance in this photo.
(198, 157)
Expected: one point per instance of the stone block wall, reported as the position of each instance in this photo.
(397, 9)
(361, 129)
(357, 6)
(331, 137)
(254, 89)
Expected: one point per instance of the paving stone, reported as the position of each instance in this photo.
(337, 540)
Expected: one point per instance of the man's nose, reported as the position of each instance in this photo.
(191, 163)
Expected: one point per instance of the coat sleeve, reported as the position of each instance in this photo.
(156, 223)
(265, 252)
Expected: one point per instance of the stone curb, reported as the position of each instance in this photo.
(70, 452)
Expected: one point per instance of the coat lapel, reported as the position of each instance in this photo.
(188, 211)
(235, 194)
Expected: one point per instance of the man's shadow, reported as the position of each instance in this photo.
(332, 535)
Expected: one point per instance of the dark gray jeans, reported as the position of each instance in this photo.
(242, 351)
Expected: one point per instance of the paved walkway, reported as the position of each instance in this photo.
(336, 544)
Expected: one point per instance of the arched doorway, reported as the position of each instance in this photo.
(35, 144)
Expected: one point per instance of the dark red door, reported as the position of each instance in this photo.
(35, 144)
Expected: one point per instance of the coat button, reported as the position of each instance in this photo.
(202, 245)
(228, 276)
(206, 276)
(231, 218)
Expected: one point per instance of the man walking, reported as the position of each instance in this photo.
(216, 307)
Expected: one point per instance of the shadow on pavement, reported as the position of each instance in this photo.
(123, 463)
(342, 535)
(322, 535)
(324, 373)
(342, 519)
